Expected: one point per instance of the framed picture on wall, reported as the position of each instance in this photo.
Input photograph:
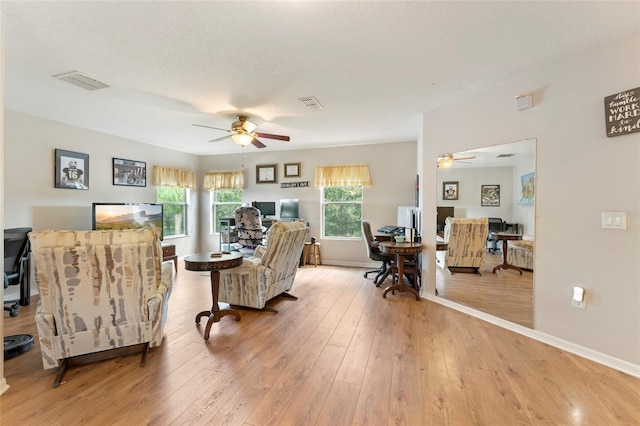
(129, 172)
(267, 173)
(291, 170)
(449, 190)
(528, 193)
(71, 169)
(490, 196)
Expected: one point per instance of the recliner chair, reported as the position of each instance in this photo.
(466, 240)
(99, 291)
(16, 266)
(374, 253)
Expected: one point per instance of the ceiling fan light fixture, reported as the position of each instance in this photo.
(242, 139)
(445, 163)
(243, 124)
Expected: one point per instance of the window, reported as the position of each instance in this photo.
(224, 204)
(342, 211)
(175, 208)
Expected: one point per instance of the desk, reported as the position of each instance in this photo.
(204, 262)
(401, 251)
(505, 237)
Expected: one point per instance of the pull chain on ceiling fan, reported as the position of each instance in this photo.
(243, 133)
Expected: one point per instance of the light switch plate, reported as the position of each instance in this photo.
(614, 220)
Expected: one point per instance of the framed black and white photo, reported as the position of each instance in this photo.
(490, 196)
(71, 169)
(267, 173)
(291, 170)
(129, 172)
(449, 190)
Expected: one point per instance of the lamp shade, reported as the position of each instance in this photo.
(242, 139)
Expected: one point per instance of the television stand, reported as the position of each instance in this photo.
(169, 253)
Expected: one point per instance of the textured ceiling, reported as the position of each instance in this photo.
(375, 66)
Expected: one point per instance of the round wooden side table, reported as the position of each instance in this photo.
(204, 262)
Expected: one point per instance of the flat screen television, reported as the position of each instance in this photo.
(126, 216)
(267, 208)
(289, 209)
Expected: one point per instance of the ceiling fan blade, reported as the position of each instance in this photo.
(220, 139)
(255, 142)
(210, 127)
(270, 136)
(463, 158)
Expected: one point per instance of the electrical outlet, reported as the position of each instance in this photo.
(579, 299)
(579, 304)
(614, 220)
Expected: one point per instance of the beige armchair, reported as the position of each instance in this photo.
(466, 245)
(99, 290)
(270, 272)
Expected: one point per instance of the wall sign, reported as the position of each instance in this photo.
(622, 112)
(294, 184)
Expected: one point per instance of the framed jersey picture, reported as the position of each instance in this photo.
(72, 170)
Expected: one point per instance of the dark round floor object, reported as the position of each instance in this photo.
(17, 344)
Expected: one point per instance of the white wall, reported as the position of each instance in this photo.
(470, 182)
(31, 198)
(580, 174)
(393, 172)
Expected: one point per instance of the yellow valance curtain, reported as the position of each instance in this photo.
(223, 180)
(166, 176)
(357, 174)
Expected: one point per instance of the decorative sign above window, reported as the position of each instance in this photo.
(622, 112)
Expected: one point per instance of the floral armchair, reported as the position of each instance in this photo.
(270, 272)
(99, 290)
(466, 244)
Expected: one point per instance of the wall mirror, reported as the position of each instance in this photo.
(496, 182)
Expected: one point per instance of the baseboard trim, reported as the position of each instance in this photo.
(584, 352)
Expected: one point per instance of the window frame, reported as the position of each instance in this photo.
(185, 204)
(213, 226)
(324, 203)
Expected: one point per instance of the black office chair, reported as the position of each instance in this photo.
(16, 266)
(495, 225)
(374, 253)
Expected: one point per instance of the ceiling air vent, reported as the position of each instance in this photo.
(78, 79)
(505, 155)
(311, 102)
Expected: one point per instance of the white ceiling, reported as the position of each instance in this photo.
(375, 66)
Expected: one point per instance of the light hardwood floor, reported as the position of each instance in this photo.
(340, 355)
(505, 294)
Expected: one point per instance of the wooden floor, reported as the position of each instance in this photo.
(505, 294)
(340, 355)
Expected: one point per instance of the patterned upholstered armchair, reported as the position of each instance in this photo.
(466, 244)
(249, 226)
(520, 253)
(99, 290)
(270, 272)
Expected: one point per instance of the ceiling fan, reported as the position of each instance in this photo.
(243, 133)
(445, 161)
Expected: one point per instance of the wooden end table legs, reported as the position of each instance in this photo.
(400, 286)
(216, 311)
(504, 264)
